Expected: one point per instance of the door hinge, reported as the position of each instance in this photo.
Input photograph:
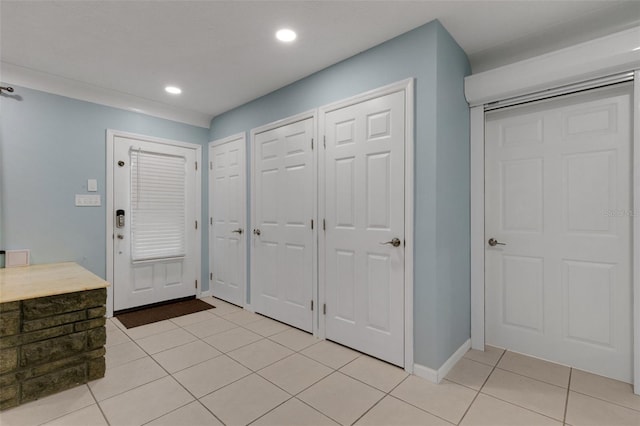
(324, 224)
(324, 309)
(196, 283)
(311, 144)
(196, 224)
(312, 224)
(324, 142)
(210, 221)
(312, 305)
(196, 165)
(210, 165)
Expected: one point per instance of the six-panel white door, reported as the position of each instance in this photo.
(364, 211)
(558, 195)
(155, 242)
(283, 207)
(227, 229)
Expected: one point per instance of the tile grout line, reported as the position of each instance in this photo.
(180, 384)
(168, 374)
(504, 351)
(566, 401)
(98, 405)
(529, 377)
(605, 401)
(385, 394)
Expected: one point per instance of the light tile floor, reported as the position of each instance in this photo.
(229, 366)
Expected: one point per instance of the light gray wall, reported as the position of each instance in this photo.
(428, 54)
(49, 146)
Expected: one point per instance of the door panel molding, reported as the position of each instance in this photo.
(254, 267)
(407, 86)
(111, 136)
(241, 138)
(478, 241)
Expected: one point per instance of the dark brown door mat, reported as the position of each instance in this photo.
(162, 312)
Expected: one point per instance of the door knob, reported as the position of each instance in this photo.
(256, 232)
(493, 242)
(394, 242)
(237, 231)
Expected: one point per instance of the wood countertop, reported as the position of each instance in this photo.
(30, 282)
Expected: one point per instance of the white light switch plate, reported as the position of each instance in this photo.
(92, 185)
(87, 200)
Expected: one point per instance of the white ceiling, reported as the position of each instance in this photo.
(223, 53)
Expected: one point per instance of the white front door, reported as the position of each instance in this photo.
(364, 237)
(154, 222)
(283, 208)
(558, 195)
(227, 229)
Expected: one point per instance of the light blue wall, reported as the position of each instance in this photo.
(49, 146)
(428, 54)
(450, 301)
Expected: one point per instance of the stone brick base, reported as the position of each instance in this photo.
(50, 344)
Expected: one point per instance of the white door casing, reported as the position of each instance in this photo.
(283, 208)
(364, 208)
(171, 274)
(227, 225)
(558, 194)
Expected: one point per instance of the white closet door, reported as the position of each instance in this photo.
(558, 194)
(364, 210)
(155, 245)
(283, 207)
(227, 229)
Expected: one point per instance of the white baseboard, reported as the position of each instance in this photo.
(204, 294)
(436, 376)
(248, 307)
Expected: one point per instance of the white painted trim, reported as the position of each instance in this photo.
(249, 307)
(37, 80)
(436, 376)
(608, 55)
(322, 264)
(635, 108)
(313, 114)
(409, 191)
(110, 141)
(204, 294)
(426, 373)
(283, 122)
(477, 226)
(243, 184)
(109, 219)
(477, 230)
(407, 86)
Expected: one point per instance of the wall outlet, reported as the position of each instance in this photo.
(16, 258)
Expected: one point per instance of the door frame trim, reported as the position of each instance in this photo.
(406, 86)
(111, 134)
(477, 185)
(313, 114)
(242, 136)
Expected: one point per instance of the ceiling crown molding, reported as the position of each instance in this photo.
(38, 80)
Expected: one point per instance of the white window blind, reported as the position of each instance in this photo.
(158, 188)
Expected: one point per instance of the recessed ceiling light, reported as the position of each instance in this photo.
(173, 90)
(286, 35)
